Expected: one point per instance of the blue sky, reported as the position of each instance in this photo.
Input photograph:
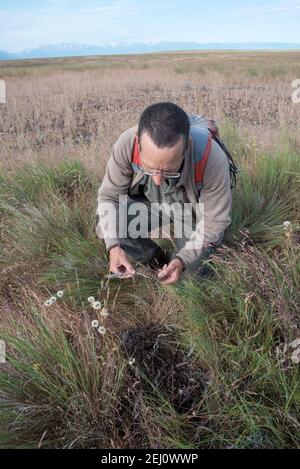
(32, 23)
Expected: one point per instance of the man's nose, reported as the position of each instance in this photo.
(158, 179)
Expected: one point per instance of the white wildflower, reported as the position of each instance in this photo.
(102, 330)
(60, 294)
(50, 301)
(96, 305)
(131, 361)
(295, 343)
(91, 299)
(286, 224)
(296, 356)
(104, 312)
(95, 323)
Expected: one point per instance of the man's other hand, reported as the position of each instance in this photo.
(171, 272)
(119, 263)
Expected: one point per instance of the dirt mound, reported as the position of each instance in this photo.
(158, 354)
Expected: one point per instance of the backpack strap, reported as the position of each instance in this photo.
(233, 169)
(202, 141)
(135, 156)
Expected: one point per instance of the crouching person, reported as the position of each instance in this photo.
(170, 168)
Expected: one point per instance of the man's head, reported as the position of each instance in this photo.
(163, 134)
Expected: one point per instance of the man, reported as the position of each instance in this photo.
(156, 163)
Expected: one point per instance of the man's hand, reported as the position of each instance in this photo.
(119, 263)
(171, 273)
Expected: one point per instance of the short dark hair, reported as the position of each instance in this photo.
(165, 123)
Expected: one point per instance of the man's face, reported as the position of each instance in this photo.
(162, 159)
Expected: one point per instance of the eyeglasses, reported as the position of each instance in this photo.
(154, 172)
(166, 174)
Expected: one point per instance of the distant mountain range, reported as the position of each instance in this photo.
(76, 50)
(6, 55)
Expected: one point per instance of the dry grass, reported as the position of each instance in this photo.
(60, 108)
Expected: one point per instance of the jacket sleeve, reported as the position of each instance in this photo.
(116, 182)
(216, 199)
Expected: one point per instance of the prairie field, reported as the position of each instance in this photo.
(201, 364)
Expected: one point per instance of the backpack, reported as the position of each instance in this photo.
(203, 131)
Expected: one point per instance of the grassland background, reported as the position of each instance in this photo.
(213, 362)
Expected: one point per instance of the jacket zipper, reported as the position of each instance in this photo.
(136, 180)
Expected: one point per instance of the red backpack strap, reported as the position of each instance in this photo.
(135, 156)
(199, 166)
